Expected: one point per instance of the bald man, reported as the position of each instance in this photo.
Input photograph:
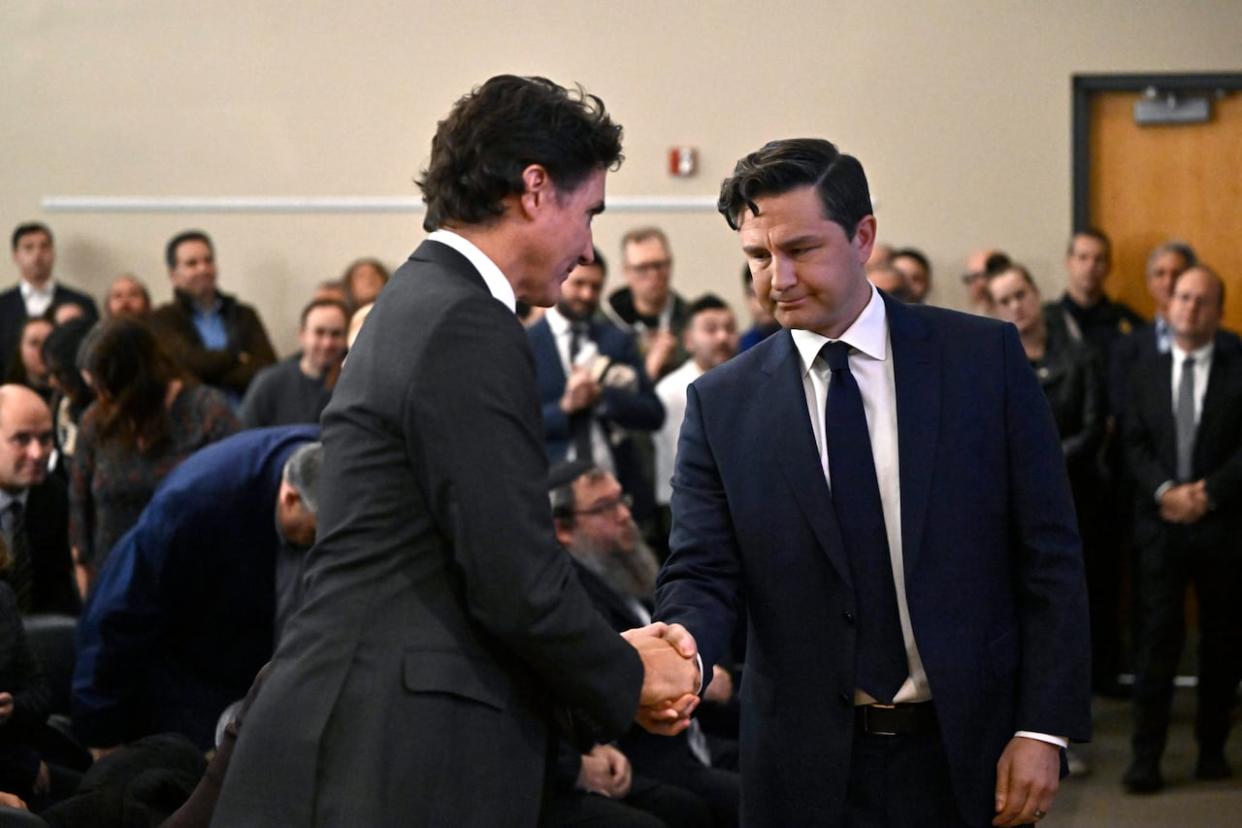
(34, 508)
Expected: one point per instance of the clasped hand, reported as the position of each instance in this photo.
(1186, 503)
(670, 676)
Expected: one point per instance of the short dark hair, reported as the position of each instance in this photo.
(781, 166)
(499, 129)
(323, 302)
(706, 302)
(748, 279)
(60, 355)
(913, 253)
(170, 250)
(29, 228)
(1090, 233)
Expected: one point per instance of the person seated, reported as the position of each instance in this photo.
(363, 281)
(191, 602)
(26, 366)
(297, 389)
(127, 296)
(216, 338)
(34, 508)
(149, 415)
(25, 699)
(593, 523)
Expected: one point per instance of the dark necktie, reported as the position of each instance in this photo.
(881, 662)
(21, 573)
(1185, 416)
(579, 421)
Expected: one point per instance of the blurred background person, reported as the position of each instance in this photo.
(71, 395)
(981, 264)
(647, 306)
(915, 266)
(127, 296)
(763, 323)
(296, 389)
(363, 280)
(26, 367)
(148, 416)
(889, 279)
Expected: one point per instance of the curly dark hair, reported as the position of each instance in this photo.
(780, 166)
(130, 372)
(492, 134)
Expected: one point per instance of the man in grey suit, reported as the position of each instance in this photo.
(442, 628)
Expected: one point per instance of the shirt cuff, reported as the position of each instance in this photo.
(1162, 488)
(702, 678)
(1059, 741)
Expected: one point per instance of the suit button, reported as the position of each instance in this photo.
(847, 699)
(848, 616)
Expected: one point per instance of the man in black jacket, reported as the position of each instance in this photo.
(37, 293)
(34, 507)
(441, 627)
(1183, 442)
(215, 337)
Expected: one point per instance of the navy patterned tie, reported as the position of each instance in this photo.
(881, 662)
(21, 571)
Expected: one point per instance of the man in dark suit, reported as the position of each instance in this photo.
(1184, 447)
(881, 489)
(593, 387)
(37, 292)
(441, 627)
(34, 507)
(218, 339)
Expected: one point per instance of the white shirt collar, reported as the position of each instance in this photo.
(868, 334)
(7, 498)
(29, 290)
(1202, 355)
(556, 321)
(496, 282)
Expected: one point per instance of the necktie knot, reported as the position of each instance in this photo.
(1188, 364)
(836, 354)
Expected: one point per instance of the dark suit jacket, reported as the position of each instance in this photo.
(173, 323)
(1139, 347)
(1151, 441)
(618, 409)
(47, 535)
(994, 573)
(440, 619)
(180, 619)
(13, 314)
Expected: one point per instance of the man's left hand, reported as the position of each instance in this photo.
(1027, 777)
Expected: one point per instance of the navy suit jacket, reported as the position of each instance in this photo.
(619, 408)
(993, 565)
(181, 617)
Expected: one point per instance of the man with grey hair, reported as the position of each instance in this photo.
(191, 601)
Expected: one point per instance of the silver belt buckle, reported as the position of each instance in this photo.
(868, 719)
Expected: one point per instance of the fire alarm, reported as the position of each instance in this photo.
(683, 161)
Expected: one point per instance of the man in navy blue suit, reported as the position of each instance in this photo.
(593, 387)
(880, 488)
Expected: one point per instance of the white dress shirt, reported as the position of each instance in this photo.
(562, 332)
(492, 277)
(37, 300)
(672, 393)
(871, 363)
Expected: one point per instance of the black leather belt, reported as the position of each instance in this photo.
(895, 719)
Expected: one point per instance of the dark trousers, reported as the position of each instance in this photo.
(898, 781)
(1098, 516)
(1170, 558)
(650, 804)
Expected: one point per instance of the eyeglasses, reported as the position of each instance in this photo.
(608, 507)
(650, 267)
(973, 276)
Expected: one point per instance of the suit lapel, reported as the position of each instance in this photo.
(543, 343)
(796, 452)
(1213, 403)
(916, 375)
(1162, 408)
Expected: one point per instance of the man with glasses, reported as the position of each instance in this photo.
(648, 307)
(980, 265)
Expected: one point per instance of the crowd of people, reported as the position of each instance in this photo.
(144, 452)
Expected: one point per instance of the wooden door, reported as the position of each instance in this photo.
(1148, 184)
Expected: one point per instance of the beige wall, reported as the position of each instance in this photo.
(959, 111)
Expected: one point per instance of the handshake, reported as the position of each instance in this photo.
(671, 677)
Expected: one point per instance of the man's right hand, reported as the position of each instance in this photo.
(9, 800)
(605, 771)
(660, 350)
(670, 669)
(581, 391)
(1186, 503)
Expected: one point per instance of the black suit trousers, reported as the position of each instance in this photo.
(1172, 557)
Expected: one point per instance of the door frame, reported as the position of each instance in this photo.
(1086, 85)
